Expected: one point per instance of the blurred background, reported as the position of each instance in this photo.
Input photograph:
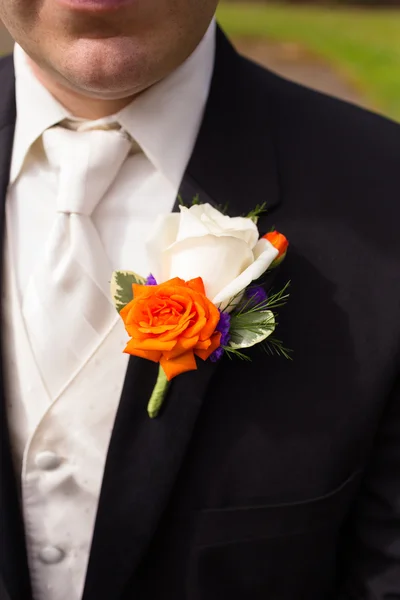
(346, 48)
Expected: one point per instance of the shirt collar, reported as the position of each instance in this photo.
(164, 120)
(37, 110)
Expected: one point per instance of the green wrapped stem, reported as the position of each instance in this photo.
(158, 395)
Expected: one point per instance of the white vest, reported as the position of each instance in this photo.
(62, 446)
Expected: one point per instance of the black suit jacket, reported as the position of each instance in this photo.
(273, 479)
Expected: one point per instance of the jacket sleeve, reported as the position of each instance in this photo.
(369, 556)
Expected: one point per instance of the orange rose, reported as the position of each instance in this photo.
(170, 323)
(279, 241)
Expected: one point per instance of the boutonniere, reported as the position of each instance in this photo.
(203, 299)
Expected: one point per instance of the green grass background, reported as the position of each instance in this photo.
(363, 45)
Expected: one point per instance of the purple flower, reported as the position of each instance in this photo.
(223, 327)
(217, 355)
(151, 280)
(256, 295)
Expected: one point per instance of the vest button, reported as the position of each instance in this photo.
(47, 460)
(51, 555)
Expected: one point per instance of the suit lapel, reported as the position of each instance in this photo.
(13, 563)
(233, 164)
(234, 160)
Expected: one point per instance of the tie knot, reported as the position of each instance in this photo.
(87, 163)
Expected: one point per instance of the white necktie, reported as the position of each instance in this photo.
(67, 307)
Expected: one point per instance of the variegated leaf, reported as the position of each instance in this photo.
(251, 328)
(121, 287)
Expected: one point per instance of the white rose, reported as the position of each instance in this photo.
(225, 252)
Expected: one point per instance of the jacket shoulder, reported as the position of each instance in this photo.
(299, 109)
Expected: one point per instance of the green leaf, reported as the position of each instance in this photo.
(121, 287)
(250, 329)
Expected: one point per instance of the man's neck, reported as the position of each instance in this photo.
(80, 106)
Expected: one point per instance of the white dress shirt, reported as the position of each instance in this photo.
(60, 444)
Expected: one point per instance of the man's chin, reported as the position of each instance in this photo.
(100, 68)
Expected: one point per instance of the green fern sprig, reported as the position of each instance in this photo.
(273, 302)
(273, 346)
(235, 353)
(257, 212)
